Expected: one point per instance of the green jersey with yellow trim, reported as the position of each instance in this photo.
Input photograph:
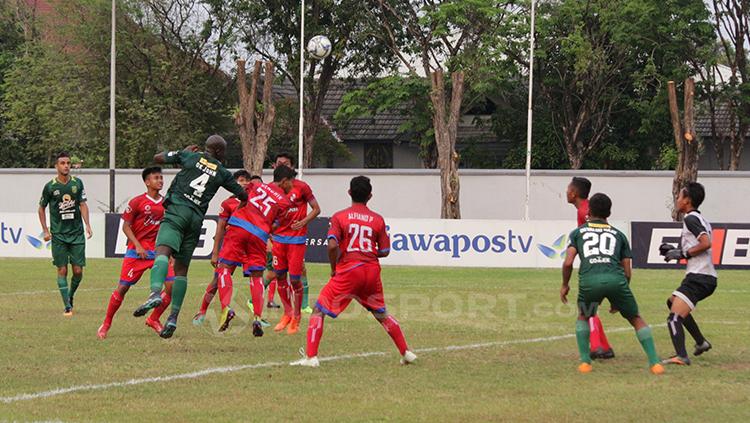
(196, 184)
(601, 248)
(64, 200)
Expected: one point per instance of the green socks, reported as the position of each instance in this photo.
(159, 274)
(583, 333)
(62, 285)
(647, 342)
(74, 282)
(305, 302)
(178, 294)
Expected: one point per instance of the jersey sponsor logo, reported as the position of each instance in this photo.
(67, 207)
(730, 244)
(206, 167)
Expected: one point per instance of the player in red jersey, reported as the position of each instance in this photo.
(226, 210)
(356, 239)
(578, 196)
(140, 224)
(289, 246)
(246, 238)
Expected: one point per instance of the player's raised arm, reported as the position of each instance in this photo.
(174, 157)
(231, 185)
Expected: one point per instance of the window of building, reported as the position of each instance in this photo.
(378, 156)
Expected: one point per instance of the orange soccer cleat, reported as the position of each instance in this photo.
(285, 320)
(293, 327)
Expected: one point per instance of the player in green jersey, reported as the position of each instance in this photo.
(186, 202)
(67, 212)
(604, 273)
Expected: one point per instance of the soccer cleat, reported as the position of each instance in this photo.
(307, 310)
(153, 301)
(585, 368)
(676, 359)
(227, 314)
(657, 369)
(68, 312)
(306, 362)
(408, 357)
(155, 325)
(264, 323)
(285, 320)
(257, 328)
(606, 355)
(293, 327)
(272, 304)
(169, 328)
(102, 332)
(198, 319)
(700, 349)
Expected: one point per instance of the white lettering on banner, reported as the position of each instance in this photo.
(21, 236)
(658, 237)
(736, 247)
(205, 242)
(479, 243)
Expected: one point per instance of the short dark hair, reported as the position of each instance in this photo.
(582, 186)
(62, 155)
(242, 173)
(256, 177)
(150, 171)
(600, 206)
(285, 156)
(360, 189)
(695, 192)
(283, 172)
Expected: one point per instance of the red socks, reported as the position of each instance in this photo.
(256, 291)
(114, 303)
(209, 295)
(166, 299)
(271, 290)
(394, 331)
(225, 287)
(314, 333)
(297, 288)
(598, 339)
(284, 294)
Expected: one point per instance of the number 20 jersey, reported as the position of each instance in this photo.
(361, 235)
(601, 249)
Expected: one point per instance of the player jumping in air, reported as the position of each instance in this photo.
(67, 205)
(578, 194)
(356, 239)
(187, 200)
(289, 246)
(140, 223)
(226, 209)
(246, 239)
(604, 273)
(700, 279)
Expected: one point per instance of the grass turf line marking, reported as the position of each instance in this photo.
(232, 369)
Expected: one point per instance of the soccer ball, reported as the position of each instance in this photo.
(319, 47)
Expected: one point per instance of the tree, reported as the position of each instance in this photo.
(255, 125)
(686, 141)
(457, 37)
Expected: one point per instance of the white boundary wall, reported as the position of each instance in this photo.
(485, 194)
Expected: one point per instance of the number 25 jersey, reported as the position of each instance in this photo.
(265, 205)
(361, 235)
(601, 249)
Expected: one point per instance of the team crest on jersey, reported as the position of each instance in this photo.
(56, 192)
(74, 189)
(147, 208)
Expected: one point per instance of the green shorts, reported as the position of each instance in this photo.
(590, 295)
(68, 252)
(180, 230)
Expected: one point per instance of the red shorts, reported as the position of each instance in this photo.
(289, 258)
(361, 282)
(133, 269)
(243, 249)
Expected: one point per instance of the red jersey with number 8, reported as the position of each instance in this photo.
(361, 235)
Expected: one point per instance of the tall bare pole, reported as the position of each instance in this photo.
(530, 112)
(301, 150)
(112, 114)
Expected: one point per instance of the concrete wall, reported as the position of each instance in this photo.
(485, 194)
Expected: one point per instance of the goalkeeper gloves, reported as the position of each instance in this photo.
(670, 252)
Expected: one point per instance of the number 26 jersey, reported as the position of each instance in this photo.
(601, 248)
(361, 235)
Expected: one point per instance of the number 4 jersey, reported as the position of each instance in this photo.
(361, 235)
(601, 249)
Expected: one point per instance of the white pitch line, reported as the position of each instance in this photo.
(232, 369)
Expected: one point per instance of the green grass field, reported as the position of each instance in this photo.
(518, 361)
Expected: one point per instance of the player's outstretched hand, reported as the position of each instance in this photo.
(564, 293)
(674, 254)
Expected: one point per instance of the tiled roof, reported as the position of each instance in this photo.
(723, 121)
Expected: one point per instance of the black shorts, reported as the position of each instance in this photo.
(694, 288)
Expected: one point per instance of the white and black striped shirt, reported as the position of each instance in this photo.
(693, 226)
